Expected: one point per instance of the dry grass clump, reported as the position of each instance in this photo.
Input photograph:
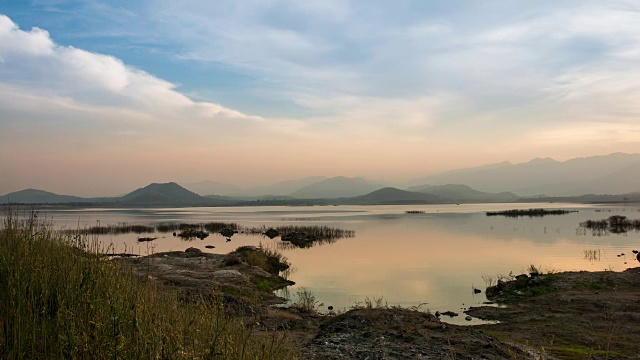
(61, 298)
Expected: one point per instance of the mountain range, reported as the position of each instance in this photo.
(613, 175)
(617, 173)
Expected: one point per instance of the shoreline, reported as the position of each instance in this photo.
(567, 314)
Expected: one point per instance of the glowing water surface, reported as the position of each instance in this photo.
(434, 258)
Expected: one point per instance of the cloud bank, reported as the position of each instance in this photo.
(333, 88)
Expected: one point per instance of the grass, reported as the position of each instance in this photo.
(189, 231)
(592, 254)
(529, 212)
(616, 224)
(264, 257)
(61, 298)
(306, 302)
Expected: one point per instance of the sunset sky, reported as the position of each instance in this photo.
(98, 98)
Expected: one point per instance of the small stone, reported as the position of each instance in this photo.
(468, 318)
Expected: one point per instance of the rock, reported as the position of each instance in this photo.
(537, 280)
(193, 233)
(491, 291)
(468, 318)
(210, 247)
(227, 274)
(450, 313)
(272, 233)
(146, 239)
(193, 250)
(299, 239)
(501, 285)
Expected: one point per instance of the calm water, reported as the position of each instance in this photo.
(435, 258)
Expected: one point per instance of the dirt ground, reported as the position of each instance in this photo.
(573, 315)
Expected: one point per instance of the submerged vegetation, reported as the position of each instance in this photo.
(616, 224)
(60, 297)
(529, 212)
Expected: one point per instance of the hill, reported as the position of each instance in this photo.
(169, 194)
(336, 187)
(597, 174)
(34, 196)
(464, 193)
(285, 187)
(393, 196)
(208, 187)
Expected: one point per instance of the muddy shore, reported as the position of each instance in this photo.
(572, 315)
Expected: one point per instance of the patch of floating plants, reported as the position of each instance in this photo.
(530, 212)
(298, 236)
(616, 224)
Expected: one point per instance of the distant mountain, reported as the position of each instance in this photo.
(463, 193)
(588, 198)
(393, 196)
(237, 199)
(169, 194)
(548, 176)
(33, 196)
(285, 187)
(336, 187)
(208, 187)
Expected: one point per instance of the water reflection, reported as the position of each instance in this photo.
(435, 256)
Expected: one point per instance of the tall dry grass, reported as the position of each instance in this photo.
(60, 297)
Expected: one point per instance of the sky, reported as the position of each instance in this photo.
(98, 98)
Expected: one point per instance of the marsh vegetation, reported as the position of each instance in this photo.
(297, 236)
(60, 297)
(616, 224)
(530, 212)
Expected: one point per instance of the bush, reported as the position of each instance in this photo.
(306, 302)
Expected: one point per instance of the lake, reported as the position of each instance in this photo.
(432, 259)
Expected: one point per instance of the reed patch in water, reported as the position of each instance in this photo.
(529, 212)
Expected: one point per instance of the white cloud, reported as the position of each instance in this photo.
(14, 42)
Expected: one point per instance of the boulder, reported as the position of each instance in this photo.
(272, 233)
(491, 291)
(299, 239)
(193, 250)
(228, 232)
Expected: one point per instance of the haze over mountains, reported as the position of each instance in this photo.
(617, 173)
(612, 174)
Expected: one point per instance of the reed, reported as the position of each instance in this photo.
(317, 232)
(616, 224)
(60, 297)
(529, 212)
(117, 229)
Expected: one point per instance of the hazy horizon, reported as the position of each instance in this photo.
(99, 99)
